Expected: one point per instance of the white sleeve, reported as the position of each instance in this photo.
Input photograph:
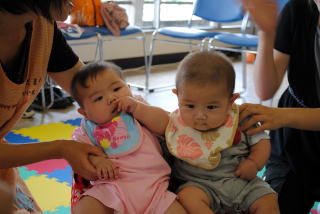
(253, 139)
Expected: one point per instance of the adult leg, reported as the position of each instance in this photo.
(195, 200)
(267, 204)
(176, 208)
(89, 204)
(293, 198)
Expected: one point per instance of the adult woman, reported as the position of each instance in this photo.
(31, 45)
(294, 47)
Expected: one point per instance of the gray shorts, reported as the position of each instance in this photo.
(232, 193)
(225, 191)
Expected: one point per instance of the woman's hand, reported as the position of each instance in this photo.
(263, 12)
(268, 117)
(77, 154)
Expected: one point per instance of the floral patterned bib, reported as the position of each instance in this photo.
(120, 136)
(201, 149)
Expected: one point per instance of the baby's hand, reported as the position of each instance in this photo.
(140, 99)
(105, 168)
(126, 104)
(247, 170)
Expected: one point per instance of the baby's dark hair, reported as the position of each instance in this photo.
(40, 7)
(90, 72)
(206, 68)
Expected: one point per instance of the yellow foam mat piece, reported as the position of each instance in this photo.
(49, 193)
(48, 132)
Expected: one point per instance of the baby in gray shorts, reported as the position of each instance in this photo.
(216, 163)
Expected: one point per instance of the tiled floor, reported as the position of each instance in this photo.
(161, 74)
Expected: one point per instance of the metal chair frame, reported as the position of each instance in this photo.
(243, 49)
(204, 41)
(49, 82)
(109, 38)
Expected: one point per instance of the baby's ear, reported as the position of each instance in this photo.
(82, 112)
(175, 91)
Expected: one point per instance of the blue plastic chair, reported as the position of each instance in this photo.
(88, 33)
(128, 33)
(102, 35)
(209, 10)
(241, 42)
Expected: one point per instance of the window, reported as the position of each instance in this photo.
(159, 13)
(151, 14)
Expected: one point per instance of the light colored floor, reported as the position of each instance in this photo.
(161, 75)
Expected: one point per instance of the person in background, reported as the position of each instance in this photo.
(215, 164)
(134, 178)
(289, 44)
(31, 48)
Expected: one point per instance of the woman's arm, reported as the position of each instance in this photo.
(270, 67)
(270, 64)
(274, 118)
(64, 78)
(74, 152)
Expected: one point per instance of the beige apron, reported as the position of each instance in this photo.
(15, 98)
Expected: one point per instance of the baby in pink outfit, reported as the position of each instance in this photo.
(133, 177)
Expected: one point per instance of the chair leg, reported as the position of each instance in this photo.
(146, 64)
(244, 70)
(203, 43)
(190, 46)
(150, 64)
(141, 87)
(43, 98)
(48, 82)
(210, 44)
(99, 48)
(101, 56)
